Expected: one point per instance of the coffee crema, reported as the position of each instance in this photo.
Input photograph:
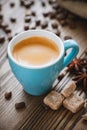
(35, 51)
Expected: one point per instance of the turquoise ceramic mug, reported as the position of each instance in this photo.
(38, 80)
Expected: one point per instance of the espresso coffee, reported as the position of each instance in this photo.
(35, 51)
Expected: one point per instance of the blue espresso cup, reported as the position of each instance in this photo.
(38, 80)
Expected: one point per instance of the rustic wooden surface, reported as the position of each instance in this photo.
(34, 116)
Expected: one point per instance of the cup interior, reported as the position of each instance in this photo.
(31, 33)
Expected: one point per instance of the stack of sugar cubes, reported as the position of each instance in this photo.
(66, 97)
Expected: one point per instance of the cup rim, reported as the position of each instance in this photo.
(36, 67)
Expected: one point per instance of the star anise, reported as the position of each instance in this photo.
(81, 79)
(77, 64)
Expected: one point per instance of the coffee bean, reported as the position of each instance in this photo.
(2, 39)
(16, 34)
(7, 30)
(8, 95)
(65, 53)
(63, 22)
(58, 33)
(45, 107)
(61, 16)
(22, 2)
(9, 37)
(1, 16)
(52, 15)
(46, 14)
(27, 19)
(32, 28)
(60, 77)
(44, 24)
(43, 4)
(33, 13)
(28, 4)
(67, 37)
(26, 27)
(12, 4)
(59, 10)
(38, 22)
(20, 105)
(4, 26)
(50, 2)
(13, 19)
(55, 6)
(54, 25)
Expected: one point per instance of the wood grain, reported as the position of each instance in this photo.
(34, 116)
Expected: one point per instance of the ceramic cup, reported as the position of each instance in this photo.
(38, 80)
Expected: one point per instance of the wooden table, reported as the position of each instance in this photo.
(34, 116)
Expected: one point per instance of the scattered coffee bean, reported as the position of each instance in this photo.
(2, 39)
(46, 14)
(54, 25)
(58, 33)
(38, 22)
(27, 4)
(65, 53)
(44, 24)
(13, 19)
(60, 77)
(43, 4)
(52, 15)
(33, 13)
(9, 37)
(50, 2)
(26, 27)
(45, 107)
(55, 6)
(63, 22)
(61, 16)
(12, 4)
(32, 2)
(1, 16)
(4, 26)
(20, 105)
(32, 28)
(8, 95)
(59, 10)
(27, 19)
(7, 30)
(16, 34)
(22, 2)
(67, 37)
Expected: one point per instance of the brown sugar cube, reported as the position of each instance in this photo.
(69, 89)
(53, 100)
(73, 103)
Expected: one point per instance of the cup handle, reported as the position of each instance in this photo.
(75, 49)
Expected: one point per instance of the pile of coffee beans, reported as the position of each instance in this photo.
(53, 18)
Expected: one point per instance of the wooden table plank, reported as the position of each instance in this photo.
(34, 116)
